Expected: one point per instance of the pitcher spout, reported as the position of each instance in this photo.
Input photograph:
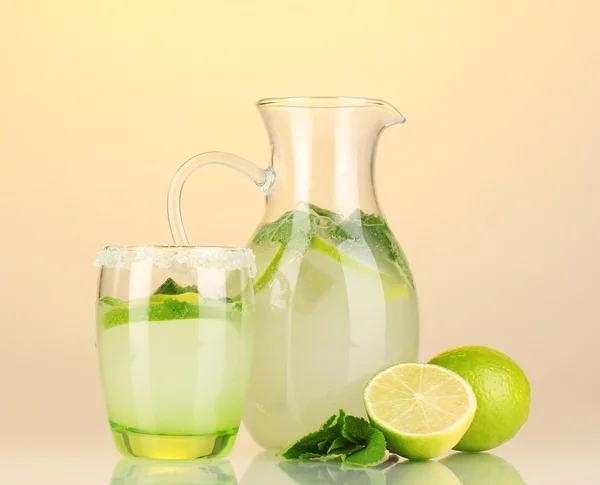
(392, 116)
(323, 149)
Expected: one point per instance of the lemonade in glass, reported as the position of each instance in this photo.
(173, 338)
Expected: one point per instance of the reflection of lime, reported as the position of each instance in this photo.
(502, 392)
(423, 410)
(478, 468)
(421, 473)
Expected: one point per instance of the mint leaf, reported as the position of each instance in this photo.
(170, 287)
(373, 453)
(340, 443)
(323, 446)
(323, 212)
(309, 443)
(356, 430)
(309, 456)
(350, 439)
(380, 239)
(348, 450)
(109, 302)
(295, 229)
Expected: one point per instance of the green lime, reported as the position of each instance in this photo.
(423, 410)
(478, 468)
(502, 391)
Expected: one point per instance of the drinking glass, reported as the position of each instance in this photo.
(174, 344)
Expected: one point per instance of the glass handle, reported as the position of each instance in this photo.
(262, 178)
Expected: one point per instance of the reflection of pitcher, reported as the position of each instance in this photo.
(335, 299)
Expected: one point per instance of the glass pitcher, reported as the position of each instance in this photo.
(335, 298)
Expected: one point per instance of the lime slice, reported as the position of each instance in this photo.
(392, 286)
(268, 256)
(422, 409)
(189, 297)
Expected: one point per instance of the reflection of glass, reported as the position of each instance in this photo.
(483, 468)
(147, 472)
(335, 299)
(457, 469)
(173, 339)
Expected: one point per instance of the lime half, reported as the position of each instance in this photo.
(422, 409)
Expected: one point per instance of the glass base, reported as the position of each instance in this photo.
(165, 447)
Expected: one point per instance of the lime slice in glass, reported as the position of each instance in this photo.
(189, 297)
(422, 409)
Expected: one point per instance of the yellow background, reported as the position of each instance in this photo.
(491, 186)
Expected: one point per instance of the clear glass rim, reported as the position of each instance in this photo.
(311, 102)
(175, 248)
(219, 257)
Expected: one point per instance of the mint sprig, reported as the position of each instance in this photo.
(350, 439)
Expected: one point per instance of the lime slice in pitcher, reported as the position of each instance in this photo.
(393, 287)
(268, 256)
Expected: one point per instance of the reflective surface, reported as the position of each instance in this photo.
(530, 460)
(456, 469)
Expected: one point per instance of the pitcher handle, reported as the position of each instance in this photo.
(263, 178)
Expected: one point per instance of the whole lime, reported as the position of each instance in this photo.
(501, 389)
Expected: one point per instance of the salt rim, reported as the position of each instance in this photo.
(224, 257)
